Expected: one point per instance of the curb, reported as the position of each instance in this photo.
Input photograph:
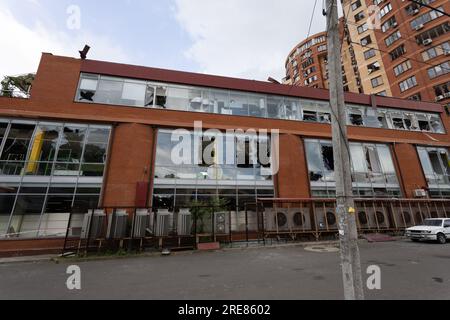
(181, 253)
(58, 259)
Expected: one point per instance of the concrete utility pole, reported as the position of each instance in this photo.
(345, 209)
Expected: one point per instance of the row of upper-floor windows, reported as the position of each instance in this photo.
(127, 92)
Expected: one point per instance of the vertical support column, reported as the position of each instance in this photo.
(292, 178)
(129, 166)
(409, 168)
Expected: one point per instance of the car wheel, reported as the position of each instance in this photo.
(415, 240)
(441, 238)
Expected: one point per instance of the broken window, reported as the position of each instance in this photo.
(423, 123)
(324, 117)
(373, 165)
(309, 115)
(370, 118)
(410, 121)
(356, 119)
(397, 121)
(435, 164)
(161, 97)
(382, 119)
(314, 159)
(149, 96)
(327, 156)
(88, 87)
(436, 124)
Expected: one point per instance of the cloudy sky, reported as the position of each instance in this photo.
(240, 38)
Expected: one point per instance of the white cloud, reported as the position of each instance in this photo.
(250, 38)
(22, 46)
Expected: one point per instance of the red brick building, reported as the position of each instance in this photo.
(100, 134)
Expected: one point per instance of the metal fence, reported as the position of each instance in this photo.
(267, 220)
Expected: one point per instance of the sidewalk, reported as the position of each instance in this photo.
(28, 259)
(57, 257)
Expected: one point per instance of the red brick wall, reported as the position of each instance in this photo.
(129, 164)
(292, 177)
(411, 168)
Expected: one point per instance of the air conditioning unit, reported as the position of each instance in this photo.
(184, 222)
(117, 225)
(276, 220)
(326, 219)
(415, 11)
(447, 95)
(221, 222)
(439, 98)
(163, 222)
(427, 42)
(300, 219)
(363, 219)
(394, 24)
(447, 52)
(420, 193)
(419, 27)
(403, 218)
(373, 218)
(143, 223)
(92, 226)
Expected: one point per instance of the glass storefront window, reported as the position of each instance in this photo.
(3, 127)
(51, 153)
(373, 171)
(436, 167)
(200, 182)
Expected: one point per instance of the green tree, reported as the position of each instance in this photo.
(19, 84)
(202, 210)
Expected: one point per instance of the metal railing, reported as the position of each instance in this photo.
(267, 220)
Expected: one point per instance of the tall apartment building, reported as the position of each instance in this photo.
(408, 56)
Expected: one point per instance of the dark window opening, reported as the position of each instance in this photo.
(398, 123)
(328, 158)
(356, 119)
(309, 116)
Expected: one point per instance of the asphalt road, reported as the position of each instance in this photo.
(408, 271)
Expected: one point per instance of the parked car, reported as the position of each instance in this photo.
(430, 229)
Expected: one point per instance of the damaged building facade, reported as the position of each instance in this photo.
(97, 134)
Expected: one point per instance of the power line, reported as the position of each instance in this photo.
(430, 7)
(309, 33)
(312, 19)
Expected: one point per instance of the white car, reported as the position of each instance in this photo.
(430, 229)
